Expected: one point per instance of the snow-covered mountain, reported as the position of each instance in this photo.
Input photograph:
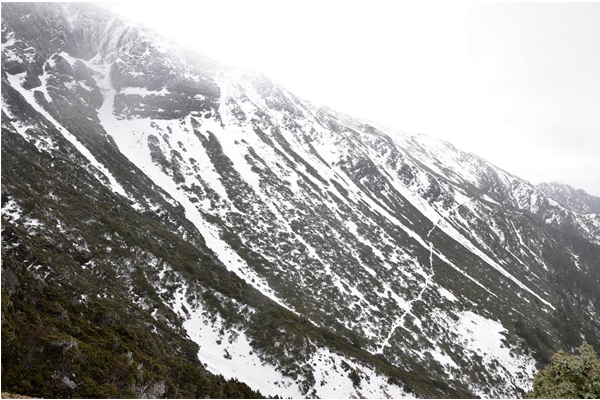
(258, 237)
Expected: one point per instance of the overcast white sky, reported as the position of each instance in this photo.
(518, 84)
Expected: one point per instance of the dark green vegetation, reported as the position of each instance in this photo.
(569, 376)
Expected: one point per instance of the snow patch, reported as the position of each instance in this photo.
(486, 338)
(139, 91)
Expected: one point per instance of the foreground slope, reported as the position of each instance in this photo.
(323, 256)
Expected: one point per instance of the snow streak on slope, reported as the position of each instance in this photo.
(400, 322)
(129, 146)
(15, 81)
(442, 223)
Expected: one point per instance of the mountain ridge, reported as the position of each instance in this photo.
(568, 196)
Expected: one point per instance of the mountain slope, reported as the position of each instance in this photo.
(324, 256)
(575, 199)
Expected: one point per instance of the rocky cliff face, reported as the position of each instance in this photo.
(207, 220)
